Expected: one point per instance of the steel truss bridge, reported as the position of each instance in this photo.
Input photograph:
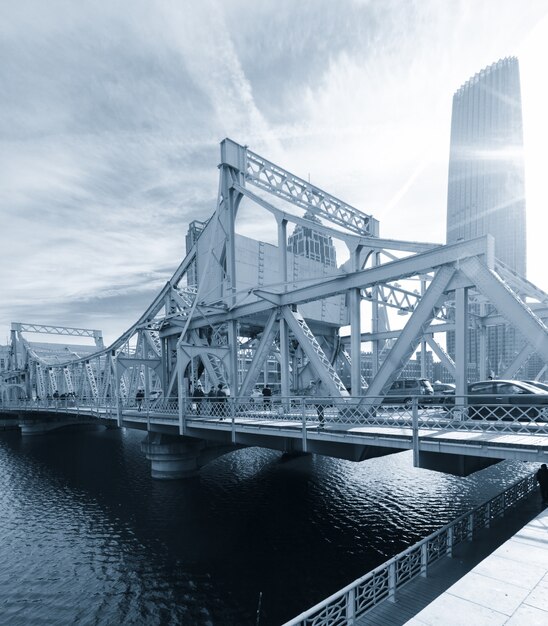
(235, 305)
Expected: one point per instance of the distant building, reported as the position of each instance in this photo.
(4, 356)
(486, 190)
(312, 244)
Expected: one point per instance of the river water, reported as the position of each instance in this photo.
(88, 538)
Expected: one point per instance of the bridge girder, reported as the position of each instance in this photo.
(292, 309)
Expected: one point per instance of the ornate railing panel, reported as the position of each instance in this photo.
(384, 581)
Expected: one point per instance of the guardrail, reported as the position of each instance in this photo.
(417, 413)
(382, 583)
(72, 406)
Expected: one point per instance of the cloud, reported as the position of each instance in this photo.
(111, 116)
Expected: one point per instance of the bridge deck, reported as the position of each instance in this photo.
(266, 428)
(499, 578)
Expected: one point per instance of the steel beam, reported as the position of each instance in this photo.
(394, 270)
(508, 304)
(442, 355)
(414, 329)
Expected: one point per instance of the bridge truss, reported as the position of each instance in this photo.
(236, 303)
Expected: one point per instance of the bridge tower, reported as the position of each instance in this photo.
(236, 302)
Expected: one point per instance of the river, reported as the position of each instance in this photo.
(88, 538)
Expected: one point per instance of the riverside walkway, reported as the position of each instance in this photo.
(499, 578)
(510, 586)
(488, 566)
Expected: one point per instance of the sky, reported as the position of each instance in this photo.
(112, 113)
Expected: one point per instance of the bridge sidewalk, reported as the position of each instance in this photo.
(499, 578)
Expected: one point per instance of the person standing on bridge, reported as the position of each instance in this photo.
(139, 397)
(198, 396)
(316, 390)
(542, 479)
(267, 397)
(212, 395)
(221, 401)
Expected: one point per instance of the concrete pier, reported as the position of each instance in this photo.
(175, 457)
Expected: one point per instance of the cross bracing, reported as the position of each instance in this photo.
(235, 302)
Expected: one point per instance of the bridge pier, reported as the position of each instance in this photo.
(173, 457)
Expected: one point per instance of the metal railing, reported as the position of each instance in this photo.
(65, 405)
(383, 583)
(416, 414)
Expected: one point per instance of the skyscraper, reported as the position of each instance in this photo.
(486, 174)
(486, 191)
(312, 244)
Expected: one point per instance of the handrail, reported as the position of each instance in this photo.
(360, 596)
(420, 413)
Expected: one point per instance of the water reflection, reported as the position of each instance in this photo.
(90, 538)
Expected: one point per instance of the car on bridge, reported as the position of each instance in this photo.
(443, 388)
(537, 383)
(403, 390)
(441, 391)
(509, 400)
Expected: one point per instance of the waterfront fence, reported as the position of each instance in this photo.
(382, 583)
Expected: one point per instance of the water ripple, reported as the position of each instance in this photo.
(90, 539)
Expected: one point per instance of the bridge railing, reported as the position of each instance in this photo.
(419, 413)
(166, 406)
(383, 583)
(515, 414)
(68, 405)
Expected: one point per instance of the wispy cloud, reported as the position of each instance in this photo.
(110, 121)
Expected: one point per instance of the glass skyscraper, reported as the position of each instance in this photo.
(486, 191)
(486, 174)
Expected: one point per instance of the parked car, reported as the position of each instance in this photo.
(506, 399)
(403, 390)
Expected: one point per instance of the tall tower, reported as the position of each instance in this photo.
(486, 191)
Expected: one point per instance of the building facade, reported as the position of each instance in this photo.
(312, 244)
(486, 191)
(486, 188)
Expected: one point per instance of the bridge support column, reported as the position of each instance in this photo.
(172, 457)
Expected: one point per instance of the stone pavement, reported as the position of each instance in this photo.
(508, 587)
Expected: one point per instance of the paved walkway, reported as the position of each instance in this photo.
(499, 578)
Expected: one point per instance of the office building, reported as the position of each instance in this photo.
(486, 190)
